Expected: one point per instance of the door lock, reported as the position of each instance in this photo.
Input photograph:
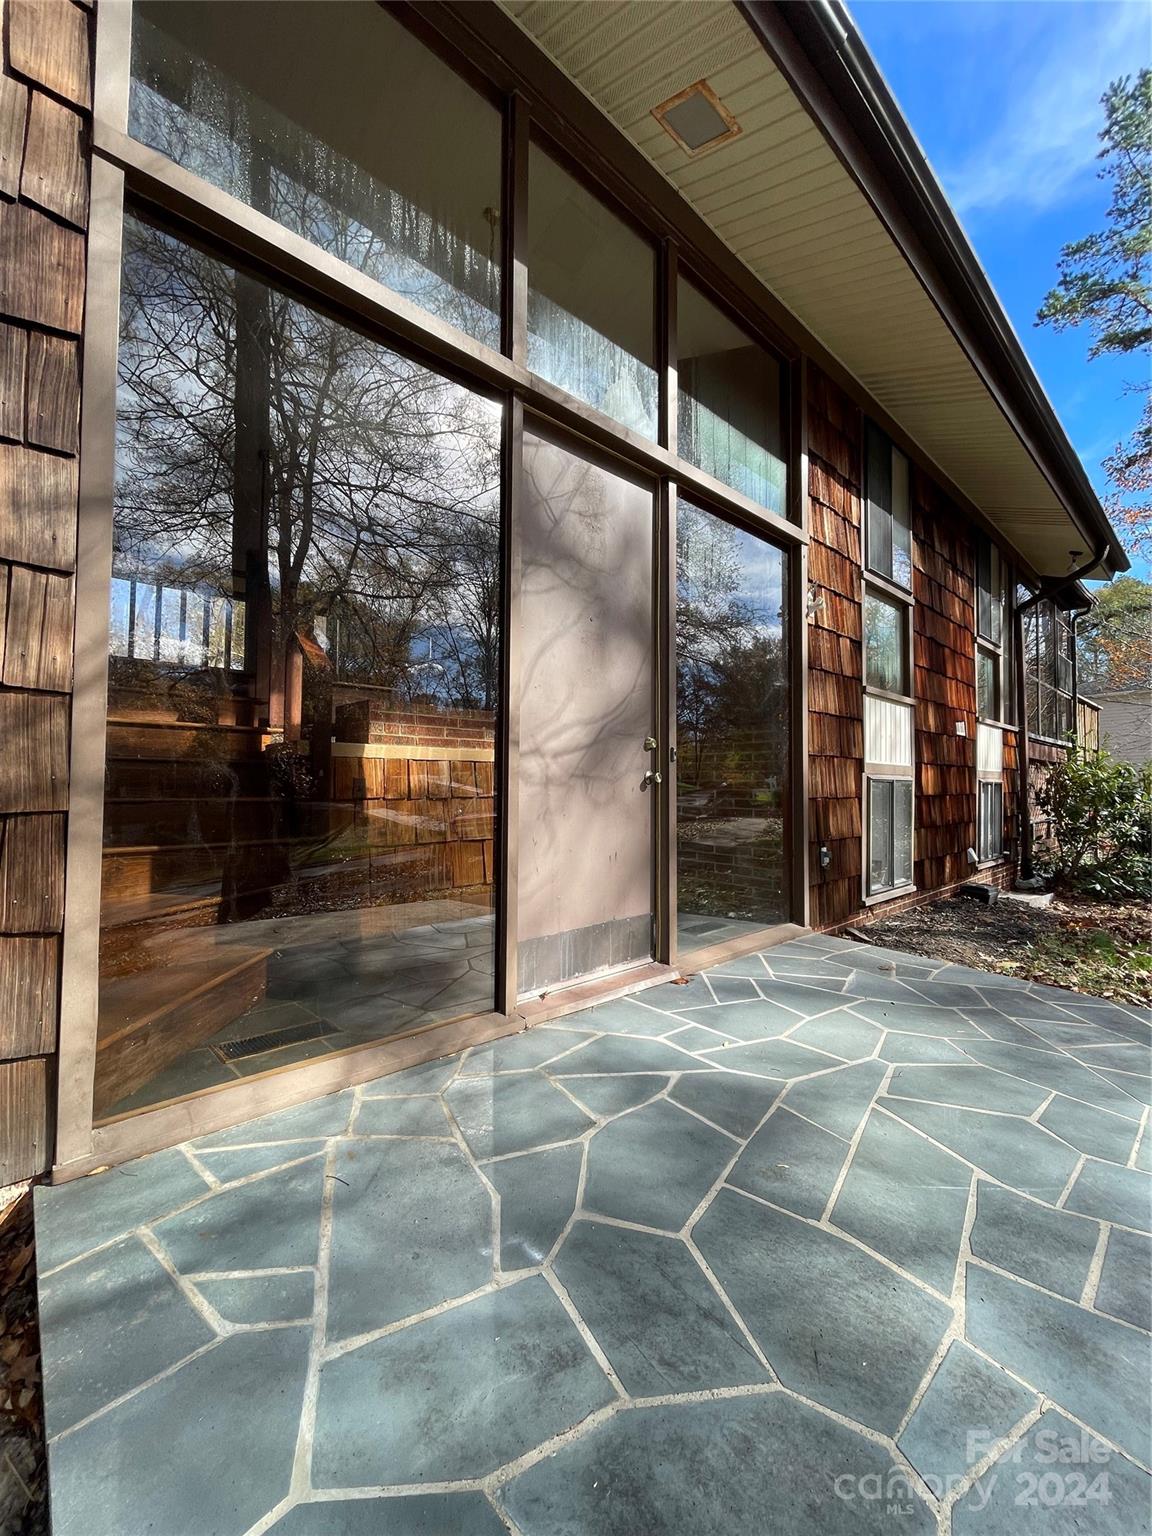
(650, 743)
(653, 778)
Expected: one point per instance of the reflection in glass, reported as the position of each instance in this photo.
(591, 299)
(885, 652)
(987, 704)
(889, 526)
(731, 728)
(889, 834)
(335, 121)
(299, 811)
(728, 411)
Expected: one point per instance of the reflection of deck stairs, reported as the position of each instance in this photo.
(149, 1019)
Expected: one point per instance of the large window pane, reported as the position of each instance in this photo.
(880, 835)
(885, 624)
(732, 729)
(299, 813)
(890, 849)
(335, 121)
(729, 420)
(591, 298)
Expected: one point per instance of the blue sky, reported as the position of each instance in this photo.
(1004, 98)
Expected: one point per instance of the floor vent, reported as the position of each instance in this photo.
(272, 1040)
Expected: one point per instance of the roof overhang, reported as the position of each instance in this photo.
(826, 198)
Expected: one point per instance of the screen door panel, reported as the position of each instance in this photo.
(586, 811)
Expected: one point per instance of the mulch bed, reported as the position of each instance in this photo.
(1103, 949)
(23, 1464)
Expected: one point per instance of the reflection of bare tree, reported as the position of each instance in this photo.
(268, 452)
(339, 500)
(731, 675)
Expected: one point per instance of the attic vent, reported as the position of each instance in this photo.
(696, 118)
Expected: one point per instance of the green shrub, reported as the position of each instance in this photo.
(1101, 816)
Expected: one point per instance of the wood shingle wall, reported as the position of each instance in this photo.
(944, 682)
(944, 673)
(835, 655)
(45, 97)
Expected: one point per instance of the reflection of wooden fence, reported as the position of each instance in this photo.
(424, 789)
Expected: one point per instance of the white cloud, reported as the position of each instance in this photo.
(1045, 142)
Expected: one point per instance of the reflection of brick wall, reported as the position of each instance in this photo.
(425, 784)
(367, 720)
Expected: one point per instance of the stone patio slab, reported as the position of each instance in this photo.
(495, 1286)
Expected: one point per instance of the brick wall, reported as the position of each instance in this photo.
(45, 101)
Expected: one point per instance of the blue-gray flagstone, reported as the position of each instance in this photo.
(1094, 1368)
(791, 1162)
(745, 1466)
(260, 1298)
(537, 1197)
(422, 1204)
(72, 1219)
(653, 1312)
(206, 1449)
(272, 1222)
(503, 1256)
(1120, 1195)
(1050, 1248)
(834, 1323)
(415, 1514)
(1057, 1480)
(1094, 1131)
(837, 1100)
(969, 1405)
(1125, 1288)
(654, 1165)
(456, 1395)
(501, 1115)
(736, 1104)
(1010, 1149)
(147, 1325)
(906, 1200)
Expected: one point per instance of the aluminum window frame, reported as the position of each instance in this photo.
(875, 772)
(124, 169)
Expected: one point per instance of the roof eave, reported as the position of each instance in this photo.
(819, 50)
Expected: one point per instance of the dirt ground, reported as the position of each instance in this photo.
(23, 1470)
(1101, 948)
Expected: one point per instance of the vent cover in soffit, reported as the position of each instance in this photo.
(697, 119)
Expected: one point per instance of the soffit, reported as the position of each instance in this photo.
(785, 205)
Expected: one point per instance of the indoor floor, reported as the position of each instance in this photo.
(829, 1239)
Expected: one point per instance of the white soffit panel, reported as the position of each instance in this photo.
(783, 203)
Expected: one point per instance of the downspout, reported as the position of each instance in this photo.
(1046, 590)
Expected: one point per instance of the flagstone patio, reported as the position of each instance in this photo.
(830, 1239)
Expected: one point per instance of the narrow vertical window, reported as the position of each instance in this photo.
(888, 531)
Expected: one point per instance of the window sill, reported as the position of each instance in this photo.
(880, 896)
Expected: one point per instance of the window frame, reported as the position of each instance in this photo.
(197, 211)
(875, 772)
(876, 438)
(1047, 627)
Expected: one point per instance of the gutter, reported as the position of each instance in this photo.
(817, 47)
